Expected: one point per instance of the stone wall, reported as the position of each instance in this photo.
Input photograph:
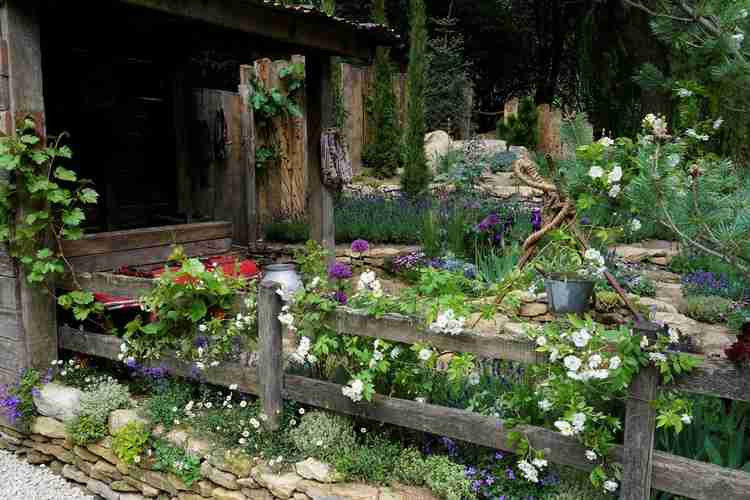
(225, 474)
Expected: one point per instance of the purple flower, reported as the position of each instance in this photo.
(201, 341)
(360, 246)
(339, 271)
(155, 373)
(499, 456)
(536, 219)
(585, 221)
(488, 222)
(510, 474)
(471, 471)
(489, 480)
(476, 485)
(340, 297)
(131, 363)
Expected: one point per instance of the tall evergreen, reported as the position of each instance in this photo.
(416, 177)
(383, 153)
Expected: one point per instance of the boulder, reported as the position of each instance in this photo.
(120, 418)
(221, 478)
(74, 474)
(316, 470)
(198, 447)
(48, 427)
(103, 449)
(222, 494)
(102, 490)
(58, 401)
(711, 340)
(350, 491)
(281, 485)
(259, 494)
(232, 461)
(532, 309)
(436, 145)
(36, 458)
(104, 471)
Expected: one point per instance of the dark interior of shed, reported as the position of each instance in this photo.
(111, 76)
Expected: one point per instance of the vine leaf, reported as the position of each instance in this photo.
(65, 175)
(88, 195)
(73, 217)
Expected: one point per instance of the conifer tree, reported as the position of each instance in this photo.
(416, 177)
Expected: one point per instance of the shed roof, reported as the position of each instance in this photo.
(301, 25)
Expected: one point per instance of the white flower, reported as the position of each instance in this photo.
(233, 387)
(594, 256)
(718, 123)
(395, 352)
(200, 365)
(635, 225)
(539, 463)
(673, 160)
(594, 361)
(581, 338)
(695, 135)
(657, 357)
(554, 354)
(738, 38)
(545, 405)
(644, 342)
(202, 327)
(120, 356)
(377, 355)
(312, 359)
(243, 404)
(684, 93)
(209, 405)
(674, 335)
(578, 421)
(314, 283)
(614, 362)
(421, 400)
(595, 172)
(606, 142)
(64, 372)
(447, 322)
(263, 417)
(123, 347)
(214, 364)
(286, 319)
(242, 441)
(528, 471)
(301, 411)
(474, 379)
(610, 485)
(425, 354)
(590, 455)
(687, 419)
(354, 390)
(254, 422)
(541, 340)
(319, 442)
(137, 459)
(565, 428)
(614, 191)
(572, 363)
(245, 434)
(615, 175)
(363, 430)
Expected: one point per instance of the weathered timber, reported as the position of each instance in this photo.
(640, 426)
(145, 256)
(113, 284)
(135, 239)
(716, 377)
(310, 31)
(320, 107)
(271, 362)
(108, 347)
(247, 119)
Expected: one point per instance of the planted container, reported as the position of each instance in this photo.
(285, 274)
(568, 294)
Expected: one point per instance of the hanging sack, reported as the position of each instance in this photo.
(335, 165)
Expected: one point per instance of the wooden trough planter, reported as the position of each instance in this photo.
(644, 467)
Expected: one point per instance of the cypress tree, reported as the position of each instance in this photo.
(416, 177)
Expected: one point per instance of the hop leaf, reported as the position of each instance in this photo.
(65, 175)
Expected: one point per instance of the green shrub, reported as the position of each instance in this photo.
(520, 129)
(130, 441)
(411, 467)
(738, 317)
(608, 301)
(447, 479)
(159, 408)
(383, 154)
(708, 308)
(374, 462)
(169, 458)
(323, 435)
(574, 485)
(103, 399)
(86, 429)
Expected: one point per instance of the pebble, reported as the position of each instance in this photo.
(21, 481)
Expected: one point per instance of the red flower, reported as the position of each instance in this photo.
(739, 352)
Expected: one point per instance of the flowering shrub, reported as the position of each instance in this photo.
(130, 442)
(17, 400)
(590, 367)
(322, 435)
(169, 458)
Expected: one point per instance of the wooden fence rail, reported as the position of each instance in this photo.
(644, 467)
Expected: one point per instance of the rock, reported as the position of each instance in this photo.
(661, 275)
(177, 437)
(204, 488)
(222, 494)
(165, 482)
(102, 490)
(316, 471)
(39, 439)
(655, 305)
(123, 486)
(145, 489)
(711, 340)
(281, 486)
(671, 293)
(189, 496)
(532, 309)
(232, 461)
(300, 496)
(103, 450)
(350, 491)
(105, 472)
(647, 251)
(120, 418)
(131, 496)
(247, 482)
(436, 145)
(56, 451)
(74, 474)
(258, 494)
(83, 465)
(85, 454)
(486, 146)
(58, 401)
(198, 447)
(56, 466)
(221, 478)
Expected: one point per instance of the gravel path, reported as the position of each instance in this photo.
(21, 481)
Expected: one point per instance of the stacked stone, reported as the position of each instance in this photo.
(226, 475)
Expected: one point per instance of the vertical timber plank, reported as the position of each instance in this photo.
(271, 369)
(319, 92)
(248, 151)
(640, 426)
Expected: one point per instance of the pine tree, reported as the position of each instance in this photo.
(521, 129)
(383, 154)
(416, 177)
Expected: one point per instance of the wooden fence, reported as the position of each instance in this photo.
(644, 468)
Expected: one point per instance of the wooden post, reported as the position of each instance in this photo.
(640, 427)
(248, 151)
(271, 363)
(319, 116)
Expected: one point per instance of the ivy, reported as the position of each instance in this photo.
(53, 200)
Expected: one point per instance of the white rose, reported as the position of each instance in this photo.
(425, 354)
(595, 172)
(572, 363)
(610, 485)
(614, 363)
(590, 455)
(614, 191)
(581, 338)
(615, 175)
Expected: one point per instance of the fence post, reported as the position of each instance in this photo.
(640, 427)
(271, 365)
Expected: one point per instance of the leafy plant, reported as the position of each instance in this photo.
(159, 409)
(323, 435)
(708, 308)
(447, 479)
(17, 400)
(86, 429)
(373, 461)
(169, 458)
(130, 442)
(107, 396)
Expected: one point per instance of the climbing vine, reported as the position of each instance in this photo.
(41, 205)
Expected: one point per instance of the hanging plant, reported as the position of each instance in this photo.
(41, 205)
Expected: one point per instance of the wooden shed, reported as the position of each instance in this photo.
(123, 78)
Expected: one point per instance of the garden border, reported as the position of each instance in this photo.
(644, 467)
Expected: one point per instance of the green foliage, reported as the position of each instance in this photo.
(159, 409)
(373, 461)
(169, 458)
(17, 400)
(709, 309)
(493, 265)
(608, 301)
(130, 441)
(103, 399)
(86, 429)
(447, 71)
(411, 467)
(383, 154)
(416, 177)
(447, 479)
(577, 131)
(521, 129)
(190, 300)
(324, 435)
(54, 200)
(312, 260)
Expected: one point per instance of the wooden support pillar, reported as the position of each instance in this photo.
(319, 91)
(247, 119)
(28, 333)
(640, 427)
(271, 363)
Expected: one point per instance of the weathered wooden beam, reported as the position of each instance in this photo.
(247, 119)
(112, 284)
(319, 92)
(271, 367)
(304, 31)
(716, 377)
(640, 427)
